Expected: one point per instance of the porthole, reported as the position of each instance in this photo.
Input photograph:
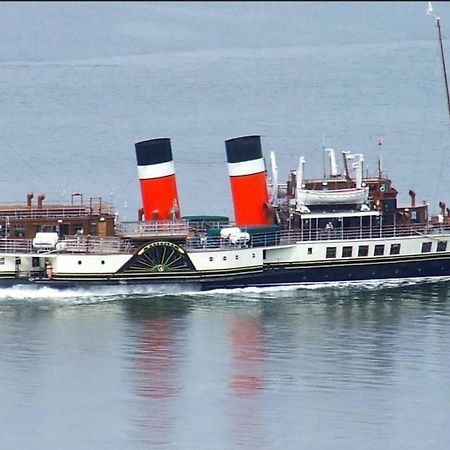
(253, 255)
(224, 258)
(211, 258)
(79, 262)
(103, 261)
(236, 257)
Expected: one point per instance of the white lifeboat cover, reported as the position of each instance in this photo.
(225, 233)
(45, 240)
(240, 237)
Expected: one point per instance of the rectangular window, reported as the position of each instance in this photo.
(441, 246)
(363, 250)
(331, 252)
(2, 260)
(347, 252)
(395, 249)
(426, 247)
(19, 231)
(309, 250)
(378, 250)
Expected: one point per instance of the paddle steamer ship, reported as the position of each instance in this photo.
(344, 227)
(341, 228)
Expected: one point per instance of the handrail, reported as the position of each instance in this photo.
(201, 241)
(287, 237)
(55, 212)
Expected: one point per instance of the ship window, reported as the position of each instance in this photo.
(378, 250)
(309, 250)
(79, 262)
(236, 257)
(441, 246)
(426, 247)
(2, 261)
(103, 261)
(253, 255)
(224, 258)
(347, 252)
(77, 228)
(395, 249)
(331, 252)
(211, 258)
(363, 250)
(19, 231)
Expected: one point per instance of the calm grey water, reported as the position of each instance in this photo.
(331, 367)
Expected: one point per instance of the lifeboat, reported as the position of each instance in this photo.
(349, 196)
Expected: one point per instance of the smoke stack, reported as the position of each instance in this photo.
(30, 196)
(247, 173)
(40, 200)
(442, 206)
(412, 194)
(157, 179)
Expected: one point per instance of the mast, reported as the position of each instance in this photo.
(438, 23)
(430, 11)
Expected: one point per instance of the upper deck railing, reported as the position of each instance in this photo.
(201, 240)
(288, 237)
(54, 212)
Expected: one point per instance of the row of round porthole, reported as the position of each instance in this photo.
(102, 262)
(235, 257)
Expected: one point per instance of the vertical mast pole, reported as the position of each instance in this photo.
(438, 23)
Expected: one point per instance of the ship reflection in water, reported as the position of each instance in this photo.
(251, 369)
(248, 369)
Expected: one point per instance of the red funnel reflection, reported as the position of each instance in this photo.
(247, 349)
(155, 361)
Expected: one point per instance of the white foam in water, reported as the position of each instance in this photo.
(361, 285)
(98, 294)
(84, 295)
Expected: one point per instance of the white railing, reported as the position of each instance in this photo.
(152, 228)
(16, 246)
(201, 241)
(94, 245)
(73, 245)
(316, 234)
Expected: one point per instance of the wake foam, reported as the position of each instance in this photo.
(365, 285)
(101, 294)
(84, 295)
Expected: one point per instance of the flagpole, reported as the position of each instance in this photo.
(438, 23)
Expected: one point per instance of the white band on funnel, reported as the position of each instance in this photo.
(246, 167)
(156, 170)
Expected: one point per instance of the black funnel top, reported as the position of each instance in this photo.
(153, 151)
(245, 148)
